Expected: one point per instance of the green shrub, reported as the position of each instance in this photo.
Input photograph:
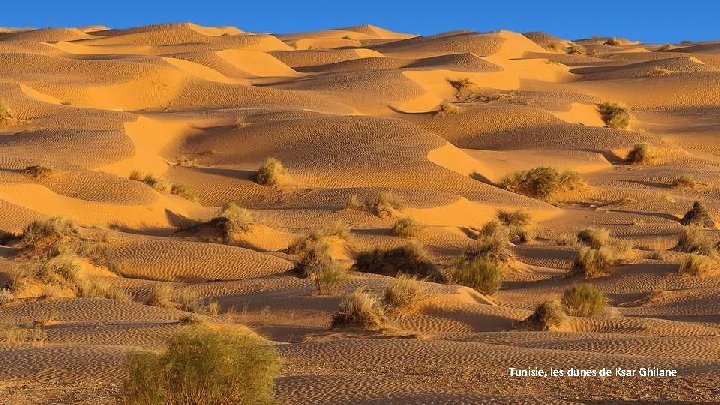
(232, 220)
(614, 115)
(695, 241)
(545, 183)
(643, 154)
(404, 295)
(204, 366)
(548, 315)
(583, 300)
(698, 216)
(409, 260)
(592, 262)
(360, 309)
(405, 228)
(270, 172)
(481, 273)
(699, 265)
(329, 278)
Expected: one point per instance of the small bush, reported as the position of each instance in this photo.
(204, 366)
(592, 262)
(183, 191)
(385, 205)
(161, 295)
(545, 183)
(612, 42)
(658, 71)
(699, 266)
(404, 295)
(6, 113)
(698, 216)
(614, 115)
(56, 276)
(461, 84)
(583, 300)
(232, 220)
(548, 315)
(360, 309)
(409, 260)
(576, 49)
(101, 289)
(6, 296)
(688, 183)
(493, 242)
(270, 173)
(519, 224)
(11, 333)
(354, 203)
(405, 228)
(335, 229)
(49, 237)
(329, 278)
(481, 273)
(136, 175)
(695, 241)
(38, 172)
(643, 154)
(594, 237)
(447, 108)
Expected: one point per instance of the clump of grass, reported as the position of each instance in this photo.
(204, 366)
(11, 332)
(405, 228)
(232, 219)
(492, 242)
(355, 203)
(614, 115)
(6, 114)
(49, 238)
(643, 154)
(186, 160)
(612, 42)
(183, 191)
(698, 265)
(404, 295)
(6, 296)
(161, 295)
(461, 84)
(519, 224)
(481, 272)
(165, 296)
(329, 278)
(591, 262)
(60, 273)
(447, 108)
(545, 183)
(314, 252)
(687, 182)
(360, 309)
(409, 260)
(270, 172)
(658, 71)
(583, 300)
(694, 240)
(385, 205)
(594, 237)
(576, 49)
(38, 172)
(698, 215)
(548, 315)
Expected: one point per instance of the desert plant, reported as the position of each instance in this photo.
(360, 309)
(100, 289)
(11, 332)
(545, 183)
(408, 259)
(6, 296)
(687, 182)
(354, 203)
(161, 295)
(385, 205)
(576, 49)
(334, 229)
(49, 237)
(136, 175)
(482, 273)
(591, 262)
(694, 240)
(548, 315)
(38, 172)
(594, 237)
(699, 265)
(612, 42)
(6, 113)
(204, 366)
(614, 115)
(404, 295)
(698, 215)
(183, 191)
(232, 220)
(493, 241)
(583, 300)
(659, 71)
(447, 108)
(643, 154)
(519, 224)
(461, 84)
(405, 228)
(270, 172)
(329, 278)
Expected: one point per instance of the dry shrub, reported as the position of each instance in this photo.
(698, 216)
(493, 241)
(355, 203)
(699, 265)
(6, 113)
(409, 260)
(600, 252)
(101, 289)
(6, 296)
(335, 229)
(614, 115)
(404, 295)
(183, 191)
(482, 273)
(689, 183)
(270, 172)
(548, 315)
(314, 251)
(204, 366)
(545, 183)
(329, 278)
(405, 228)
(583, 300)
(612, 42)
(519, 224)
(360, 309)
(161, 295)
(38, 172)
(385, 205)
(643, 154)
(694, 240)
(594, 237)
(151, 180)
(12, 333)
(231, 219)
(592, 262)
(49, 238)
(447, 108)
(658, 71)
(576, 49)
(461, 84)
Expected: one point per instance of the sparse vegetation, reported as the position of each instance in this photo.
(583, 300)
(548, 315)
(519, 225)
(576, 49)
(232, 219)
(163, 186)
(594, 237)
(360, 309)
(49, 238)
(183, 191)
(600, 252)
(11, 332)
(404, 295)
(687, 182)
(38, 172)
(409, 260)
(643, 154)
(658, 71)
(447, 108)
(698, 216)
(405, 228)
(6, 113)
(699, 265)
(493, 242)
(315, 259)
(354, 203)
(545, 183)
(694, 240)
(329, 277)
(592, 262)
(481, 272)
(270, 172)
(6, 296)
(461, 84)
(614, 115)
(385, 205)
(612, 42)
(204, 366)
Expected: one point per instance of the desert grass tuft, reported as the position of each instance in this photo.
(699, 265)
(360, 309)
(614, 115)
(481, 273)
(405, 228)
(699, 216)
(583, 300)
(694, 240)
(548, 315)
(404, 296)
(270, 172)
(410, 260)
(545, 183)
(643, 154)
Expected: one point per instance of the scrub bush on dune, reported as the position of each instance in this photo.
(545, 183)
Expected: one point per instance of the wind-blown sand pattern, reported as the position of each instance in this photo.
(359, 111)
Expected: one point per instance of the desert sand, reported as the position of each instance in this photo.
(437, 122)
